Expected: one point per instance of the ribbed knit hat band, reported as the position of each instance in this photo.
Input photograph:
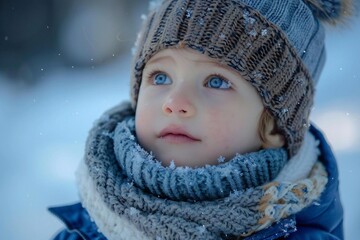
(254, 38)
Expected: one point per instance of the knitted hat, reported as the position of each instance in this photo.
(276, 45)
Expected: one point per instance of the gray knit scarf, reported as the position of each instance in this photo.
(211, 202)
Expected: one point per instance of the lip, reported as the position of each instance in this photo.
(177, 134)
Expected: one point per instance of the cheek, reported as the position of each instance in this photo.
(224, 120)
(232, 132)
(222, 127)
(145, 107)
(143, 118)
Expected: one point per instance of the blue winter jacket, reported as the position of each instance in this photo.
(323, 220)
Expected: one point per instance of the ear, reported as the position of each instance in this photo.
(272, 139)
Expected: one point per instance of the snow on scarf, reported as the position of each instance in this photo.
(236, 198)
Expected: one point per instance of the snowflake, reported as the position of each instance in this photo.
(264, 32)
(155, 4)
(221, 159)
(172, 165)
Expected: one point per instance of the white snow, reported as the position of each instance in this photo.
(44, 128)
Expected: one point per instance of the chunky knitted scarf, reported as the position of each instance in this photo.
(235, 198)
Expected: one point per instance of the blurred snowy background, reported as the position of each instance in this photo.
(63, 63)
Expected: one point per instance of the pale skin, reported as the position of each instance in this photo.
(191, 110)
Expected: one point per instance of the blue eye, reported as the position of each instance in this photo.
(217, 82)
(161, 79)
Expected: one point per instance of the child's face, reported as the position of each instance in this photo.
(192, 110)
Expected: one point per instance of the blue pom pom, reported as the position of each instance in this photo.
(330, 10)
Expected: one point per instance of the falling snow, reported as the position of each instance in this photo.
(143, 17)
(337, 114)
(154, 4)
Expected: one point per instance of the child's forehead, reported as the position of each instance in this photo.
(176, 54)
(172, 57)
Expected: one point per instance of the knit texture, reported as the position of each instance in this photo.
(192, 184)
(109, 223)
(238, 213)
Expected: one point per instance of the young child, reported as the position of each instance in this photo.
(215, 143)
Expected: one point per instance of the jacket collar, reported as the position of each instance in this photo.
(281, 229)
(77, 219)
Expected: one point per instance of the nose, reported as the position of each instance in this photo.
(178, 104)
